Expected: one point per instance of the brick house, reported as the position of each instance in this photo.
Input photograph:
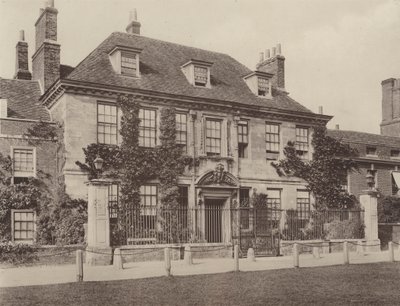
(232, 118)
(19, 111)
(379, 155)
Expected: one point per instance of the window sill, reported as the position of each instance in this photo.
(216, 158)
(272, 156)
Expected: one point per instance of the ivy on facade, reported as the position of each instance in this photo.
(325, 173)
(134, 165)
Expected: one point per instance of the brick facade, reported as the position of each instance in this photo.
(46, 60)
(48, 164)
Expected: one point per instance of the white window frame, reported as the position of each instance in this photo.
(303, 214)
(24, 173)
(221, 121)
(148, 210)
(105, 123)
(180, 132)
(307, 155)
(144, 128)
(30, 240)
(246, 145)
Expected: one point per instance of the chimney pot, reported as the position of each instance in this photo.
(261, 57)
(320, 110)
(278, 49)
(50, 3)
(267, 53)
(134, 25)
(273, 51)
(337, 127)
(21, 35)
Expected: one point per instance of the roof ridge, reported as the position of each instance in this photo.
(360, 132)
(172, 43)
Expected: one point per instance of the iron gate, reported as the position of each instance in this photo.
(257, 228)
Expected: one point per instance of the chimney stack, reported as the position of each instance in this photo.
(21, 59)
(390, 107)
(134, 25)
(320, 110)
(261, 57)
(275, 65)
(337, 127)
(46, 60)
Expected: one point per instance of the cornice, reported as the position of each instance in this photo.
(107, 91)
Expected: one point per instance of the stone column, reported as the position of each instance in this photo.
(98, 248)
(369, 202)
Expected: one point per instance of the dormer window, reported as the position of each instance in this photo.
(259, 83)
(198, 73)
(128, 63)
(371, 151)
(200, 76)
(125, 61)
(263, 86)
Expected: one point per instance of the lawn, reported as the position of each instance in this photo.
(377, 284)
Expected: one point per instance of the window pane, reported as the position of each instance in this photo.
(213, 137)
(106, 123)
(23, 160)
(272, 137)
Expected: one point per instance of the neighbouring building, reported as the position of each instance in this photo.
(378, 155)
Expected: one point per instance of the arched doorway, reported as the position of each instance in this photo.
(217, 192)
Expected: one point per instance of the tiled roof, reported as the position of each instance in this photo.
(65, 70)
(23, 99)
(365, 138)
(160, 68)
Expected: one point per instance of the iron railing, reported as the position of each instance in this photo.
(326, 224)
(217, 224)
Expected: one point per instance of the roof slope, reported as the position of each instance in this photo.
(160, 68)
(365, 138)
(23, 99)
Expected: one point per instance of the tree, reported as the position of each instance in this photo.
(325, 172)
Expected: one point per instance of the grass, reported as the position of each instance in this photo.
(369, 284)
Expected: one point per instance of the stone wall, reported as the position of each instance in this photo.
(79, 115)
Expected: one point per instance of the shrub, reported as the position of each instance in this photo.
(17, 253)
(347, 229)
(389, 209)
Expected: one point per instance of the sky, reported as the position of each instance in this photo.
(337, 51)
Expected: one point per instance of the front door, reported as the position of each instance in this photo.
(213, 220)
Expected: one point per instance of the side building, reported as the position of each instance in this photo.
(20, 111)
